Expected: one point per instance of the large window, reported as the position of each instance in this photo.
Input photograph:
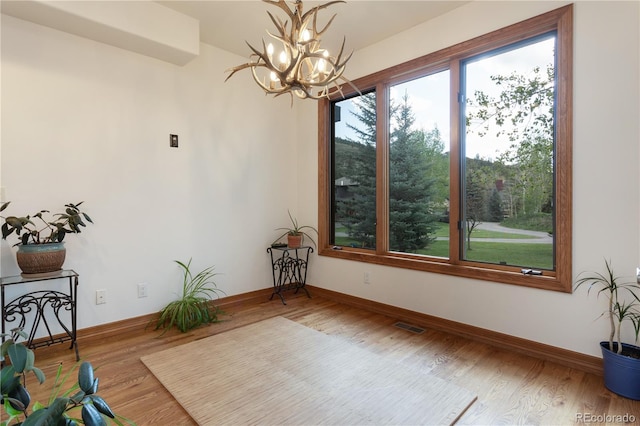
(458, 162)
(507, 155)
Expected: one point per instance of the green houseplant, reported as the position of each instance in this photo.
(296, 233)
(195, 307)
(621, 361)
(62, 408)
(40, 236)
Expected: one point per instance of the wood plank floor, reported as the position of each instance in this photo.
(511, 388)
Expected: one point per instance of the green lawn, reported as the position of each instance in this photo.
(532, 255)
(442, 230)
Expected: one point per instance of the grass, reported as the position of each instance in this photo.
(519, 254)
(346, 242)
(442, 230)
(512, 253)
(529, 255)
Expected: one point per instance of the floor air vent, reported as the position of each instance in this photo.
(409, 327)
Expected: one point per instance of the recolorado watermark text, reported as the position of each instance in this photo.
(605, 418)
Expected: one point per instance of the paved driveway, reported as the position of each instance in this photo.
(537, 237)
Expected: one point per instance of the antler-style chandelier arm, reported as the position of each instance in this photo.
(281, 27)
(282, 4)
(315, 11)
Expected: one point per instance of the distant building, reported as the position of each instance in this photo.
(342, 188)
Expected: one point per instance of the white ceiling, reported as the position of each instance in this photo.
(228, 24)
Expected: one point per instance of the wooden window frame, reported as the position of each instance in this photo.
(559, 20)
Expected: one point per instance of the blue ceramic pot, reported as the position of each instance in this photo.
(621, 373)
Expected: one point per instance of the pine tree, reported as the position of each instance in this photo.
(495, 206)
(410, 189)
(359, 213)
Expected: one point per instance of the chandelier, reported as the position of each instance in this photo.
(298, 65)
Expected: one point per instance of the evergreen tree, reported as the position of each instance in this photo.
(347, 154)
(416, 162)
(359, 213)
(495, 206)
(410, 188)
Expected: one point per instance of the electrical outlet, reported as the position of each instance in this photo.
(367, 278)
(101, 297)
(143, 290)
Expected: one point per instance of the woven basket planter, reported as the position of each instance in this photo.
(41, 258)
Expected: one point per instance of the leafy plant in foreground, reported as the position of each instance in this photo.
(194, 308)
(18, 360)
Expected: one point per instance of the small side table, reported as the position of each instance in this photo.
(289, 267)
(37, 304)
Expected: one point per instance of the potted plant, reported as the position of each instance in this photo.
(40, 239)
(621, 361)
(296, 234)
(61, 409)
(194, 308)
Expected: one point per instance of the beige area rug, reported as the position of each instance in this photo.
(278, 372)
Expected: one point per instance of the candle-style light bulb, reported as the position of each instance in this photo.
(322, 63)
(305, 35)
(270, 50)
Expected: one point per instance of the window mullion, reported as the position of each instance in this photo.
(454, 163)
(382, 168)
(325, 152)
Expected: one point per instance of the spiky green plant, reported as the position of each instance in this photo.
(620, 308)
(195, 307)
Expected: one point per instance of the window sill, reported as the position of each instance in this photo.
(509, 275)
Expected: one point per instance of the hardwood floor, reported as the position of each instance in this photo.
(511, 388)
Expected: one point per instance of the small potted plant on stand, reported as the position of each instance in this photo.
(621, 361)
(296, 234)
(40, 246)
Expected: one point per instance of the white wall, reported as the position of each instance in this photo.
(86, 121)
(103, 116)
(606, 179)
